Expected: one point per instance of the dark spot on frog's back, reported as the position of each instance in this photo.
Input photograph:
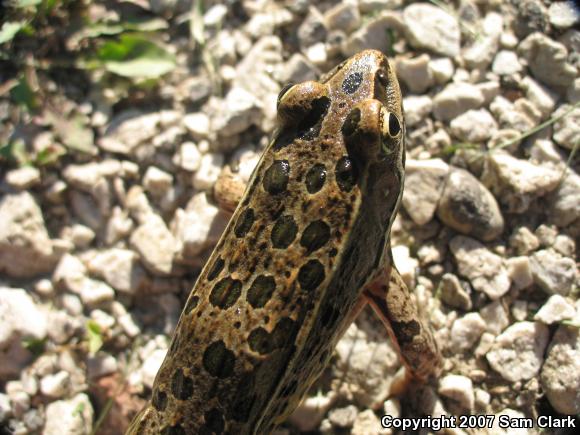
(216, 269)
(351, 123)
(284, 332)
(309, 127)
(263, 342)
(352, 82)
(159, 400)
(176, 429)
(214, 421)
(244, 223)
(261, 291)
(311, 275)
(315, 235)
(260, 341)
(346, 174)
(225, 293)
(276, 177)
(218, 360)
(191, 304)
(284, 232)
(181, 385)
(315, 178)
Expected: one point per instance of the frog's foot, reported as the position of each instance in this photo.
(391, 300)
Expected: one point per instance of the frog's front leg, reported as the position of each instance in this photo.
(391, 300)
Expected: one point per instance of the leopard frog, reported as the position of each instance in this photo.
(306, 249)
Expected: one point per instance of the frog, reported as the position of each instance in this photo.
(306, 249)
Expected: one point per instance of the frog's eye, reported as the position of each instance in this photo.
(391, 125)
(283, 92)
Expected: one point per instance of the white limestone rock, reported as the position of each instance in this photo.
(432, 28)
(198, 124)
(23, 178)
(151, 366)
(455, 99)
(520, 271)
(120, 268)
(554, 310)
(372, 33)
(465, 331)
(20, 317)
(415, 73)
(474, 126)
(417, 108)
(405, 264)
(188, 157)
(518, 353)
(208, 172)
(563, 14)
(560, 375)
(311, 411)
(25, 247)
(458, 388)
(468, 207)
(564, 205)
(197, 227)
(364, 367)
(484, 269)
(72, 417)
(552, 272)
(343, 16)
(156, 181)
(155, 245)
(548, 60)
(130, 129)
(424, 184)
(567, 129)
(55, 385)
(517, 182)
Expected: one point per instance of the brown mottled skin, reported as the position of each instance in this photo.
(306, 249)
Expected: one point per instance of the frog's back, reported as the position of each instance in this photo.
(270, 304)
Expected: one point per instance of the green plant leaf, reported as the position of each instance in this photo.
(48, 155)
(34, 345)
(95, 336)
(23, 94)
(9, 30)
(26, 3)
(93, 30)
(134, 56)
(452, 149)
(96, 30)
(15, 152)
(145, 25)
